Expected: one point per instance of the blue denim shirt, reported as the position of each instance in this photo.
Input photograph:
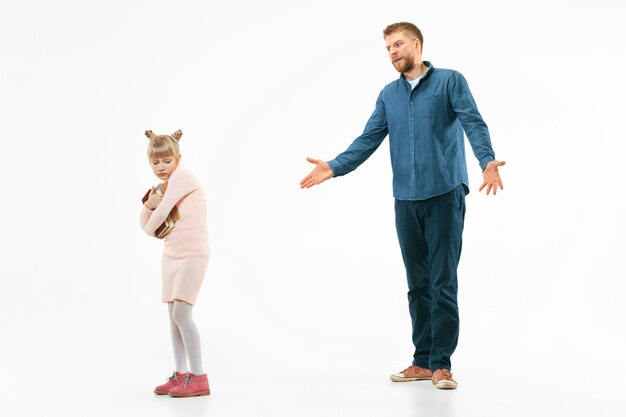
(425, 127)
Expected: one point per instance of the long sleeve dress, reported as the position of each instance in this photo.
(186, 248)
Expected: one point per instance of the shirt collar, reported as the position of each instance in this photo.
(425, 75)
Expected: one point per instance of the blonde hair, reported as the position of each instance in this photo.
(162, 146)
(407, 28)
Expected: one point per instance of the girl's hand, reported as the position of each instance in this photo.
(153, 200)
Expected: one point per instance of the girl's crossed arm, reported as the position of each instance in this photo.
(178, 186)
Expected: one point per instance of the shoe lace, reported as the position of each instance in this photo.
(444, 374)
(417, 368)
(174, 377)
(187, 380)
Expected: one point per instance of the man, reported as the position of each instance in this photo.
(425, 113)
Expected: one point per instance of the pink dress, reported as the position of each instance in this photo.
(186, 248)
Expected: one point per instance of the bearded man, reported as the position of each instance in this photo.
(425, 113)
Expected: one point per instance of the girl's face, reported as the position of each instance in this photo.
(163, 167)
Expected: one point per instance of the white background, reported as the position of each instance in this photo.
(303, 310)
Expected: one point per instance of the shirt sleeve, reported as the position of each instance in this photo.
(144, 216)
(178, 186)
(364, 146)
(473, 124)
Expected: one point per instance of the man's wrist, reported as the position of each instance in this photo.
(486, 161)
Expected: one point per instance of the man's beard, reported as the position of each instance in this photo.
(404, 66)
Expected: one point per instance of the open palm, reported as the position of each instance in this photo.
(320, 173)
(491, 177)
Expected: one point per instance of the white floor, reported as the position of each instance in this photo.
(310, 392)
(269, 378)
(542, 339)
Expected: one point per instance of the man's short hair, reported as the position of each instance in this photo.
(407, 27)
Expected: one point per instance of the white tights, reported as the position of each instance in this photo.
(185, 338)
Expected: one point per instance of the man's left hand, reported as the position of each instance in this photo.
(491, 177)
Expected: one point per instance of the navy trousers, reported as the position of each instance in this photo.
(430, 234)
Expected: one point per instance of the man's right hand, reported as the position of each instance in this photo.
(320, 173)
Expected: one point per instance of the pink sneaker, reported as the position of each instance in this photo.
(175, 380)
(192, 386)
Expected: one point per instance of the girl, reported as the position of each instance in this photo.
(185, 258)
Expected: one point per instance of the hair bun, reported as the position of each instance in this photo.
(150, 134)
(177, 135)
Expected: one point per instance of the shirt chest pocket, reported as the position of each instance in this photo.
(430, 107)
